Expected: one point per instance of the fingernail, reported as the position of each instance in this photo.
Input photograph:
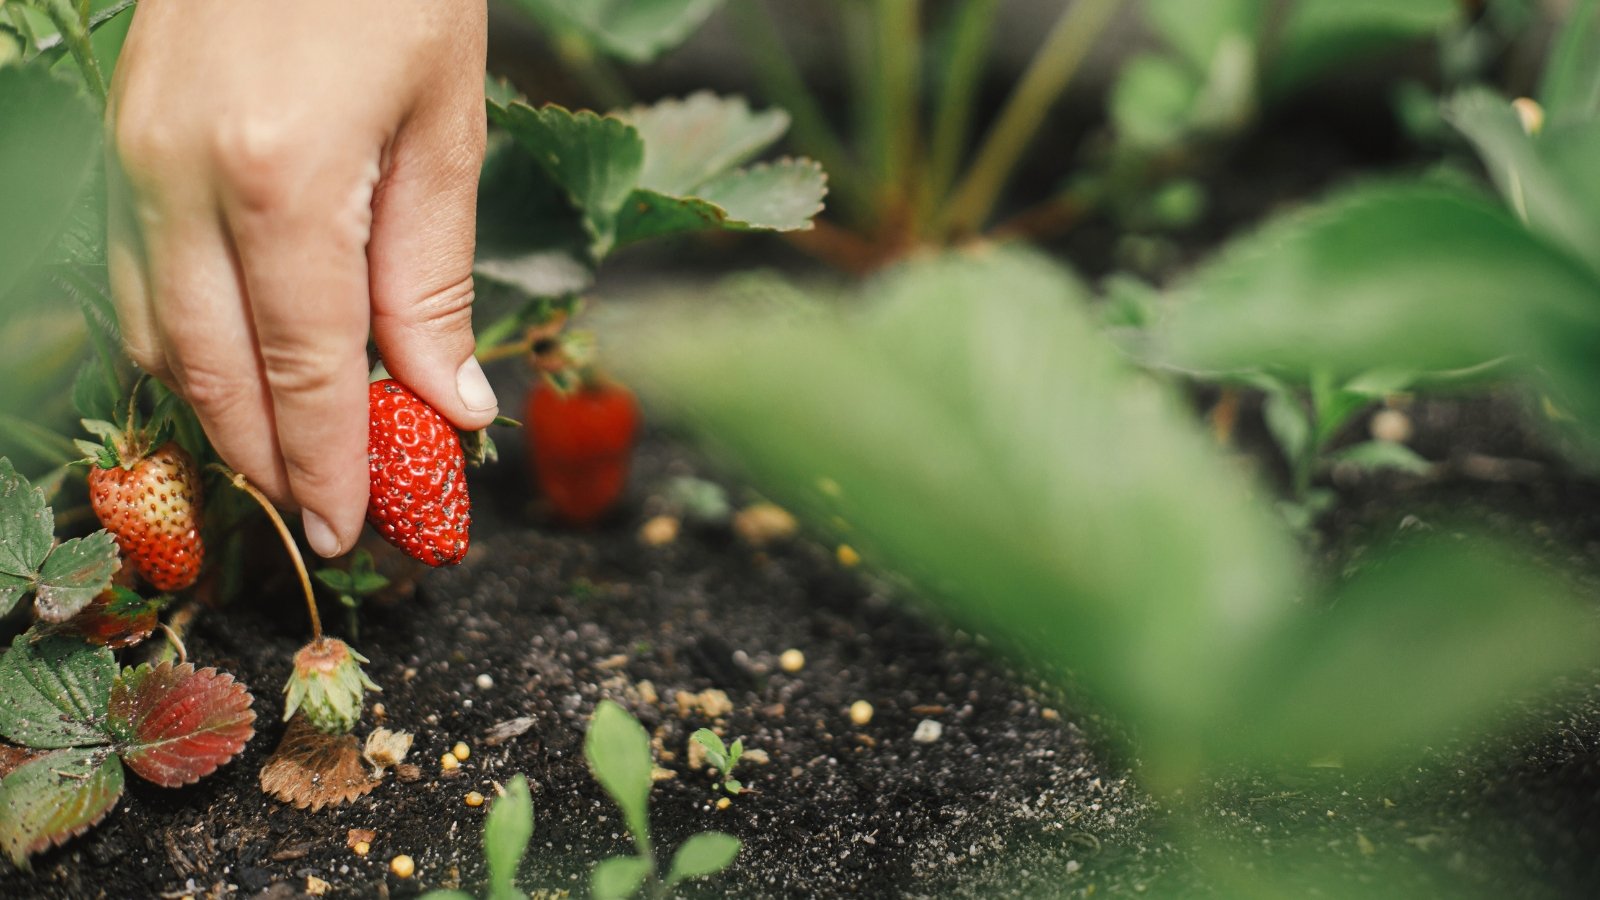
(320, 535)
(473, 388)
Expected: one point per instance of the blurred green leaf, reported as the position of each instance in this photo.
(706, 853)
(1436, 639)
(1551, 180)
(49, 151)
(1412, 276)
(1570, 90)
(1289, 422)
(505, 838)
(634, 31)
(690, 141)
(1319, 35)
(618, 877)
(977, 432)
(618, 750)
(27, 529)
(1375, 455)
(1152, 101)
(1198, 28)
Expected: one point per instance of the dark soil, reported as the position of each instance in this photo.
(1020, 795)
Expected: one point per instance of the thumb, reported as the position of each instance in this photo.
(420, 270)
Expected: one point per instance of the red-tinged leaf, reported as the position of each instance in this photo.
(55, 797)
(117, 618)
(12, 757)
(312, 769)
(175, 725)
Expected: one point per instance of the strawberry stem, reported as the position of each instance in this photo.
(240, 482)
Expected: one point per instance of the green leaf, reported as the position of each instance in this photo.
(1390, 275)
(715, 751)
(1550, 181)
(49, 152)
(506, 835)
(690, 141)
(706, 853)
(54, 798)
(1442, 636)
(618, 877)
(74, 574)
(1322, 34)
(26, 531)
(94, 394)
(529, 232)
(618, 750)
(449, 895)
(56, 692)
(1376, 455)
(1198, 28)
(947, 394)
(634, 31)
(779, 196)
(595, 160)
(335, 579)
(1287, 419)
(1570, 90)
(1152, 100)
(364, 576)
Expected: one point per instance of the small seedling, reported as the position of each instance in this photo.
(354, 585)
(505, 840)
(722, 757)
(618, 750)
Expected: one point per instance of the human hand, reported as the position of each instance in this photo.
(284, 176)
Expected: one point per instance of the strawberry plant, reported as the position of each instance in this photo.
(359, 581)
(505, 840)
(63, 578)
(618, 751)
(723, 758)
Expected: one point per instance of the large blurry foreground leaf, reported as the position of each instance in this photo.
(634, 31)
(977, 433)
(49, 149)
(1435, 639)
(970, 428)
(1402, 276)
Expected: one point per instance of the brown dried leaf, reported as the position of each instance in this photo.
(12, 757)
(358, 835)
(311, 769)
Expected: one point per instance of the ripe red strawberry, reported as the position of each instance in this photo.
(151, 506)
(418, 499)
(581, 442)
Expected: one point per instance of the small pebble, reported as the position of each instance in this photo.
(474, 798)
(316, 887)
(724, 803)
(379, 710)
(860, 712)
(402, 866)
(659, 531)
(408, 773)
(763, 524)
(362, 848)
(1390, 426)
(927, 732)
(848, 557)
(485, 681)
(449, 762)
(792, 661)
(460, 751)
(1049, 715)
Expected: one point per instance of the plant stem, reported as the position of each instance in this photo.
(598, 75)
(24, 28)
(239, 481)
(958, 85)
(1048, 74)
(74, 31)
(897, 34)
(781, 81)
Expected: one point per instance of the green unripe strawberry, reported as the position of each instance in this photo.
(327, 685)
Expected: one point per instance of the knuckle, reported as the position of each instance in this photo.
(210, 386)
(297, 368)
(145, 148)
(255, 155)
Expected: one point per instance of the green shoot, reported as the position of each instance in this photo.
(618, 750)
(722, 757)
(354, 585)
